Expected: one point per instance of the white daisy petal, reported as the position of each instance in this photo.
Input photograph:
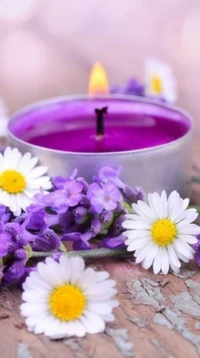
(136, 244)
(142, 209)
(129, 224)
(182, 248)
(92, 322)
(34, 320)
(99, 308)
(104, 296)
(165, 261)
(102, 275)
(187, 216)
(77, 268)
(143, 253)
(87, 279)
(172, 256)
(63, 299)
(189, 239)
(42, 325)
(37, 172)
(31, 309)
(134, 234)
(150, 257)
(157, 262)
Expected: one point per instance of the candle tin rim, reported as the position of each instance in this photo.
(42, 103)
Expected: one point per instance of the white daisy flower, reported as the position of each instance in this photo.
(161, 232)
(65, 299)
(20, 179)
(159, 81)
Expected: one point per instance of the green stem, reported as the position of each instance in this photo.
(197, 207)
(196, 179)
(89, 254)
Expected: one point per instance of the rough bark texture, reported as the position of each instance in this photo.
(158, 317)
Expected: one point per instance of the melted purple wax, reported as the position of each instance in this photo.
(70, 126)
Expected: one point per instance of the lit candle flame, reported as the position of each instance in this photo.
(98, 83)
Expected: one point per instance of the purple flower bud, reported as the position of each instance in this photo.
(4, 214)
(21, 254)
(133, 195)
(81, 245)
(35, 217)
(66, 219)
(109, 174)
(197, 258)
(56, 256)
(84, 183)
(73, 236)
(106, 216)
(18, 233)
(113, 242)
(4, 244)
(96, 226)
(14, 272)
(80, 214)
(116, 228)
(85, 201)
(58, 182)
(53, 238)
(133, 87)
(48, 241)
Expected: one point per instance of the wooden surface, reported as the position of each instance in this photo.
(158, 316)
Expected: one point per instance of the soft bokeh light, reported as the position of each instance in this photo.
(22, 55)
(17, 10)
(189, 45)
(62, 17)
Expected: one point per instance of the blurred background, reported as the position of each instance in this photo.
(48, 47)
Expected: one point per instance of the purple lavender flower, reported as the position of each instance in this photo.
(60, 200)
(21, 254)
(4, 244)
(196, 247)
(108, 174)
(5, 214)
(59, 182)
(37, 219)
(133, 195)
(48, 241)
(105, 197)
(80, 241)
(14, 272)
(19, 235)
(113, 242)
(80, 214)
(132, 87)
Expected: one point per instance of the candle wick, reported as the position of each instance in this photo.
(100, 122)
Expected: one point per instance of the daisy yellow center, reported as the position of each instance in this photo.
(67, 302)
(12, 181)
(163, 232)
(156, 84)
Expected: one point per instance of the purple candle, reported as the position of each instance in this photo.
(70, 126)
(149, 140)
